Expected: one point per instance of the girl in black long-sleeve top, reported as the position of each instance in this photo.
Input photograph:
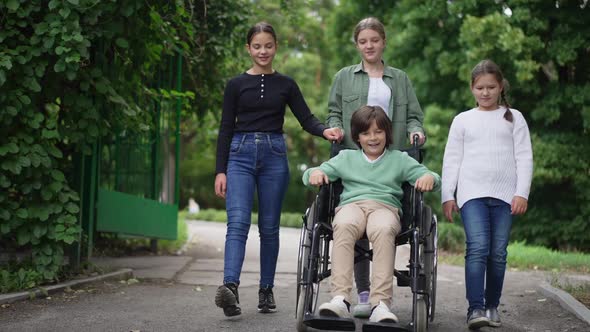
(251, 157)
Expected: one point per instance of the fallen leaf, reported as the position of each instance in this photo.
(132, 281)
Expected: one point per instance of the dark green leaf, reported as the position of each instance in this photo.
(12, 4)
(54, 151)
(64, 12)
(23, 236)
(22, 213)
(122, 42)
(57, 175)
(72, 208)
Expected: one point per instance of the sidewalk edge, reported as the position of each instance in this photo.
(44, 291)
(567, 301)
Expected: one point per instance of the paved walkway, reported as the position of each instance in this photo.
(175, 293)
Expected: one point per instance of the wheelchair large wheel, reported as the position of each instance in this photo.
(309, 268)
(430, 260)
(303, 304)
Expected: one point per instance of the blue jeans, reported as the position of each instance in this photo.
(487, 223)
(257, 162)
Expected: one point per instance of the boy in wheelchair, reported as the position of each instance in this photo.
(370, 202)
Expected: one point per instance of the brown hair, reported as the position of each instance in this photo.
(363, 117)
(369, 23)
(490, 67)
(258, 28)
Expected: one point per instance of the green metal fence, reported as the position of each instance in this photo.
(129, 185)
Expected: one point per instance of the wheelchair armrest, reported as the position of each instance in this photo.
(328, 198)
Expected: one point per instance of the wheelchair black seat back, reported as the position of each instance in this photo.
(419, 230)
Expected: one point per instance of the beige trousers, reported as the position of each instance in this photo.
(381, 223)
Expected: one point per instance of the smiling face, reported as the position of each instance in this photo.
(262, 49)
(372, 141)
(486, 89)
(370, 45)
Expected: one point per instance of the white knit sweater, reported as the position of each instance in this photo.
(487, 156)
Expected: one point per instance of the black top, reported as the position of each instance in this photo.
(256, 103)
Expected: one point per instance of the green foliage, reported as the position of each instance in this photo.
(541, 47)
(287, 219)
(17, 277)
(73, 72)
(451, 237)
(523, 256)
(530, 257)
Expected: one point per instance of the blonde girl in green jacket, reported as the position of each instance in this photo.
(373, 83)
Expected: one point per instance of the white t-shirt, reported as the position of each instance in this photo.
(379, 93)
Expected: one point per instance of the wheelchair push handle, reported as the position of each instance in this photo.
(416, 141)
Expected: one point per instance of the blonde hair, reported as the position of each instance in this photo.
(369, 23)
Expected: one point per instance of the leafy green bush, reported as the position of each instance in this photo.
(70, 74)
(288, 219)
(451, 237)
(15, 277)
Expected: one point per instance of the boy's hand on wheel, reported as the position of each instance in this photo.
(317, 178)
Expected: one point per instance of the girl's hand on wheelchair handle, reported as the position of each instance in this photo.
(519, 205)
(424, 183)
(318, 178)
(448, 208)
(220, 185)
(334, 134)
(421, 138)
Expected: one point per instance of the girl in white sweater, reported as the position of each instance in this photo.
(488, 163)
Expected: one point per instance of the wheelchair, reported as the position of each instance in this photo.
(419, 230)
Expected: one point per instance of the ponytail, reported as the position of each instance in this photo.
(504, 101)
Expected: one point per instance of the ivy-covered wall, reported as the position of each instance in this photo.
(72, 71)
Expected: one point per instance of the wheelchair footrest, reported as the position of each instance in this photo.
(330, 323)
(385, 327)
(403, 278)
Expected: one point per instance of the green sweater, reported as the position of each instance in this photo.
(380, 181)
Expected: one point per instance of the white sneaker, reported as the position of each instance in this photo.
(363, 308)
(382, 314)
(335, 308)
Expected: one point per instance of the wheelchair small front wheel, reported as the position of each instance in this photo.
(421, 317)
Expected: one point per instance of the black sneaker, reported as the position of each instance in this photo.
(228, 299)
(266, 301)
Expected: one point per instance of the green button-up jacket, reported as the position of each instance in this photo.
(350, 91)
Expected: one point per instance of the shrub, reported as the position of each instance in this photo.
(451, 237)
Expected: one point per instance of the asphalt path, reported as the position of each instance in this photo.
(185, 300)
